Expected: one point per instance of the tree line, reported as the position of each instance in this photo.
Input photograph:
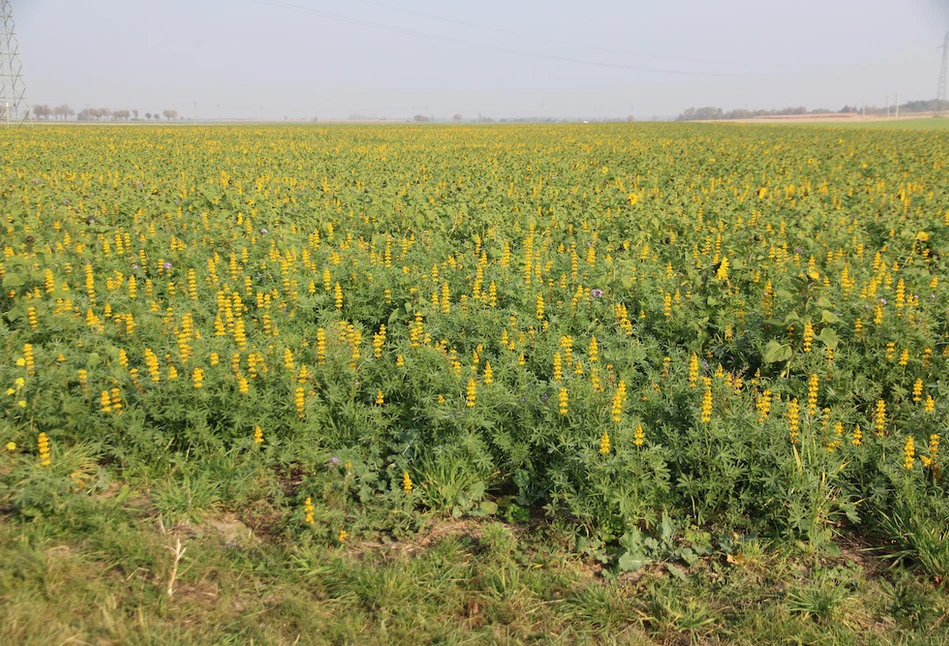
(64, 112)
(711, 113)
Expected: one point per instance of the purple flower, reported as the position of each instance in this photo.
(263, 231)
(882, 301)
(134, 266)
(798, 249)
(167, 265)
(596, 293)
(334, 460)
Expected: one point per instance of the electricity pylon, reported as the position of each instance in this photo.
(941, 92)
(14, 107)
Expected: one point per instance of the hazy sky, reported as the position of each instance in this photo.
(396, 58)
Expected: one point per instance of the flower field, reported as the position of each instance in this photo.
(663, 336)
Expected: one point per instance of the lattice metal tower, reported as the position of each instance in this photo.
(14, 107)
(941, 92)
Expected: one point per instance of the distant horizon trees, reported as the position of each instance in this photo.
(59, 112)
(64, 112)
(713, 113)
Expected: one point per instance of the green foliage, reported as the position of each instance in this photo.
(165, 296)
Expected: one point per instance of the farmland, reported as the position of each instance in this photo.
(440, 373)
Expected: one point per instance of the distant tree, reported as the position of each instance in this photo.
(135, 114)
(701, 114)
(457, 117)
(156, 116)
(121, 114)
(148, 116)
(41, 111)
(170, 115)
(630, 119)
(63, 111)
(420, 118)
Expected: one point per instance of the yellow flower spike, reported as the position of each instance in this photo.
(562, 398)
(808, 336)
(909, 453)
(813, 385)
(639, 435)
(706, 413)
(258, 435)
(693, 371)
(933, 456)
(42, 444)
(299, 401)
(320, 346)
(471, 393)
(605, 443)
(406, 483)
(380, 399)
(308, 511)
(792, 415)
(763, 405)
(879, 419)
(105, 402)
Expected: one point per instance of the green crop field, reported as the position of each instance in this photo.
(645, 383)
(912, 123)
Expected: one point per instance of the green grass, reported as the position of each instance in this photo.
(100, 571)
(911, 123)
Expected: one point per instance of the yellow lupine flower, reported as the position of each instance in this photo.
(471, 393)
(909, 453)
(42, 443)
(639, 435)
(605, 443)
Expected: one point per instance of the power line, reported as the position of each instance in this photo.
(457, 41)
(553, 41)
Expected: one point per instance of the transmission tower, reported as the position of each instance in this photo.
(14, 107)
(941, 92)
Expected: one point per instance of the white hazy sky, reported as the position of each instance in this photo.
(396, 58)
